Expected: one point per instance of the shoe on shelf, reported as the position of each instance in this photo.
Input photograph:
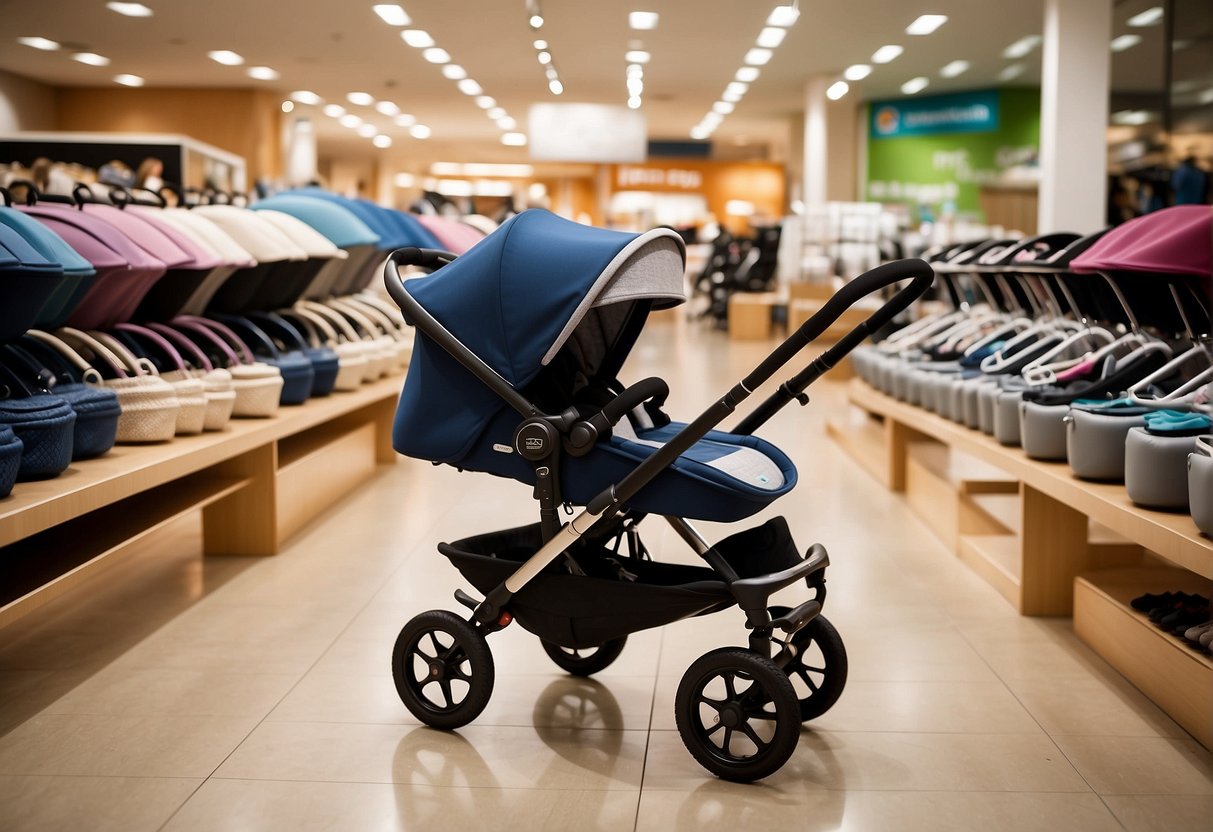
(1206, 640)
(1147, 602)
(1194, 633)
(1186, 616)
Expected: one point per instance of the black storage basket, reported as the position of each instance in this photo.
(587, 610)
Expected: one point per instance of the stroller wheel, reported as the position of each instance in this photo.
(585, 661)
(737, 714)
(819, 670)
(443, 669)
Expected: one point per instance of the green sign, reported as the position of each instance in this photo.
(964, 112)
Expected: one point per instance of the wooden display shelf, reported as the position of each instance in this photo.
(1176, 677)
(996, 558)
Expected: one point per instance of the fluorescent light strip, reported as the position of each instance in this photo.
(857, 72)
(91, 58)
(951, 70)
(785, 16)
(643, 20)
(360, 99)
(128, 80)
(436, 55)
(417, 38)
(885, 54)
(1022, 47)
(514, 139)
(1010, 72)
(388, 108)
(757, 57)
(926, 24)
(1124, 42)
(1147, 18)
(454, 72)
(262, 73)
(771, 37)
(130, 9)
(225, 57)
(306, 97)
(392, 14)
(837, 90)
(915, 85)
(747, 74)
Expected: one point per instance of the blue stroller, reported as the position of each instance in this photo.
(520, 342)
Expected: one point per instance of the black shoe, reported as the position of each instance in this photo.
(1145, 603)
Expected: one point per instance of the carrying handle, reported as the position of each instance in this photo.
(315, 322)
(100, 350)
(13, 385)
(333, 317)
(271, 323)
(88, 373)
(224, 348)
(165, 347)
(140, 365)
(216, 329)
(184, 345)
(585, 433)
(254, 336)
(361, 320)
(372, 313)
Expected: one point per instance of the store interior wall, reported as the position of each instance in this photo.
(26, 105)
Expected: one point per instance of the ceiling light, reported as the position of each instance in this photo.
(544, 58)
(91, 58)
(514, 139)
(436, 55)
(455, 72)
(417, 38)
(886, 53)
(954, 68)
(388, 108)
(635, 70)
(392, 14)
(361, 99)
(1206, 97)
(1012, 71)
(550, 72)
(1131, 117)
(643, 20)
(536, 21)
(771, 36)
(635, 86)
(128, 80)
(556, 87)
(748, 74)
(366, 130)
(39, 43)
(926, 24)
(405, 120)
(637, 56)
(757, 57)
(837, 90)
(130, 9)
(540, 44)
(495, 112)
(634, 102)
(382, 141)
(469, 87)
(737, 87)
(225, 57)
(334, 110)
(915, 85)
(420, 131)
(506, 123)
(403, 180)
(1124, 42)
(262, 73)
(722, 107)
(485, 102)
(306, 97)
(698, 133)
(1021, 47)
(1147, 18)
(731, 97)
(857, 72)
(350, 120)
(784, 16)
(287, 106)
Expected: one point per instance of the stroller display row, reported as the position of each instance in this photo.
(519, 346)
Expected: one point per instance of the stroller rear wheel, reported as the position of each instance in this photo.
(737, 714)
(585, 661)
(819, 669)
(443, 669)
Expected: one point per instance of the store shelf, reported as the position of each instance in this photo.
(996, 557)
(864, 439)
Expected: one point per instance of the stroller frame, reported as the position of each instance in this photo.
(542, 439)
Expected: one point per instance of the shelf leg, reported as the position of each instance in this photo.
(384, 416)
(1054, 551)
(245, 522)
(897, 442)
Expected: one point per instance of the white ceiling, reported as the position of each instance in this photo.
(337, 46)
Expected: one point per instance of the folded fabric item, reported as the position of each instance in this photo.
(10, 459)
(1115, 383)
(1177, 423)
(1113, 407)
(1082, 369)
(44, 424)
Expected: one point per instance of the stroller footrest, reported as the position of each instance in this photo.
(793, 620)
(752, 593)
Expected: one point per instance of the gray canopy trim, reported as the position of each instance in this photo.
(650, 267)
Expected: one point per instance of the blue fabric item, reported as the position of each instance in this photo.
(335, 221)
(507, 299)
(373, 216)
(97, 413)
(408, 226)
(10, 459)
(976, 358)
(78, 273)
(1177, 422)
(27, 280)
(44, 424)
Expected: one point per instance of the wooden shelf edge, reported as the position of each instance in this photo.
(860, 444)
(994, 557)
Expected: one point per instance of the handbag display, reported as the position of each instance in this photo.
(44, 424)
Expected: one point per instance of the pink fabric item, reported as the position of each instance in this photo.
(458, 237)
(1083, 368)
(1176, 240)
(130, 222)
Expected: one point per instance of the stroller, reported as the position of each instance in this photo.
(520, 341)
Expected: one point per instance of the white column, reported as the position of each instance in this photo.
(1075, 70)
(816, 159)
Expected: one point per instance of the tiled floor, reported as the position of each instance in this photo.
(187, 694)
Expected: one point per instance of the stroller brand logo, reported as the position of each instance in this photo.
(534, 443)
(502, 449)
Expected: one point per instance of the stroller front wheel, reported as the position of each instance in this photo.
(737, 714)
(819, 670)
(443, 669)
(585, 661)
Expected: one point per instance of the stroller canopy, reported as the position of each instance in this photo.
(535, 286)
(1176, 240)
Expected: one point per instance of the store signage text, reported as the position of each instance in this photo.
(628, 176)
(971, 112)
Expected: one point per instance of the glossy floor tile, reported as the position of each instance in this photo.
(184, 693)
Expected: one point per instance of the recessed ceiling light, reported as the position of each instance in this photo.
(737, 87)
(130, 9)
(550, 72)
(635, 71)
(1124, 42)
(39, 43)
(635, 86)
(262, 73)
(455, 72)
(128, 80)
(698, 133)
(514, 139)
(748, 74)
(360, 99)
(382, 141)
(225, 57)
(485, 102)
(731, 97)
(420, 131)
(954, 68)
(334, 110)
(366, 130)
(1147, 18)
(350, 120)
(405, 120)
(926, 24)
(306, 97)
(506, 123)
(536, 21)
(392, 14)
(287, 106)
(436, 55)
(886, 53)
(91, 58)
(403, 180)
(757, 57)
(1012, 71)
(634, 102)
(388, 108)
(1021, 47)
(637, 56)
(544, 57)
(857, 72)
(1206, 97)
(771, 36)
(722, 107)
(915, 85)
(495, 112)
(469, 87)
(784, 16)
(540, 44)
(837, 90)
(417, 38)
(555, 87)
(643, 20)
